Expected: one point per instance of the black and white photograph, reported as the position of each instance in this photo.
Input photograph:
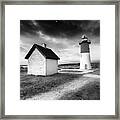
(58, 56)
(59, 59)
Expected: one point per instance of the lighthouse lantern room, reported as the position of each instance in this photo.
(85, 62)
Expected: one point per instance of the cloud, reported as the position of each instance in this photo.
(95, 52)
(48, 38)
(69, 55)
(23, 52)
(61, 28)
(53, 42)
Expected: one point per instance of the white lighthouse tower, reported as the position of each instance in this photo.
(85, 62)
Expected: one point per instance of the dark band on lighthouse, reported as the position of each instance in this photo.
(85, 46)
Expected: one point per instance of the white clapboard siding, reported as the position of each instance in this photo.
(37, 63)
(51, 66)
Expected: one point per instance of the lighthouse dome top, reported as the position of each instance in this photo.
(84, 37)
(85, 40)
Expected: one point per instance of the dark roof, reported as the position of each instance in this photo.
(47, 53)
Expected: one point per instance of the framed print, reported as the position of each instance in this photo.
(60, 60)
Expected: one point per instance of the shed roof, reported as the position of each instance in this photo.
(47, 53)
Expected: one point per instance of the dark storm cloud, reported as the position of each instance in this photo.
(27, 26)
(60, 28)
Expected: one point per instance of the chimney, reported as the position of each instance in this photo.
(44, 45)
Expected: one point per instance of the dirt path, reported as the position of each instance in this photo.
(73, 86)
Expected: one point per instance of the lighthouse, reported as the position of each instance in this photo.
(85, 62)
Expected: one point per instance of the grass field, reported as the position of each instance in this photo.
(31, 86)
(90, 91)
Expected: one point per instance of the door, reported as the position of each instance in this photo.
(85, 66)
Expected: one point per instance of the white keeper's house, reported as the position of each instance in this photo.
(42, 60)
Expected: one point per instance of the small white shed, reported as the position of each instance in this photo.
(42, 61)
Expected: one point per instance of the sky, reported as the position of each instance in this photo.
(62, 36)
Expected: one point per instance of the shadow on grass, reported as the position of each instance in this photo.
(90, 91)
(31, 85)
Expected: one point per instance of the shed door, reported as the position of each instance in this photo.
(85, 66)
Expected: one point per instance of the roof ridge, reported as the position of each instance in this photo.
(46, 52)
